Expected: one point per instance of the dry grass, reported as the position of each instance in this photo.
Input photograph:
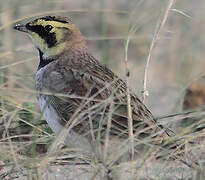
(29, 150)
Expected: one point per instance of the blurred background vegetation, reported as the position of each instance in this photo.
(177, 58)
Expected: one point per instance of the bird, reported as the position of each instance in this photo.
(194, 99)
(74, 88)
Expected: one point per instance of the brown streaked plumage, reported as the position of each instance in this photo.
(195, 95)
(194, 99)
(76, 81)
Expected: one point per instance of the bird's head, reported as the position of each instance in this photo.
(53, 35)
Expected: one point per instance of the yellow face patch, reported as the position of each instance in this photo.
(48, 52)
(57, 32)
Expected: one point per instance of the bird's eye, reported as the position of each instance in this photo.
(48, 27)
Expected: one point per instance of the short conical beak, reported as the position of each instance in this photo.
(21, 27)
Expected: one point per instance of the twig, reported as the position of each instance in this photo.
(129, 110)
(155, 37)
(107, 135)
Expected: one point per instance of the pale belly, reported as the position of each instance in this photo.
(71, 139)
(50, 115)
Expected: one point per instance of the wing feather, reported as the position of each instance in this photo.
(89, 88)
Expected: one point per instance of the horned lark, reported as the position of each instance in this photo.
(194, 99)
(74, 88)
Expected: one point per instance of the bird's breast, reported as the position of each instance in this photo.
(48, 111)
